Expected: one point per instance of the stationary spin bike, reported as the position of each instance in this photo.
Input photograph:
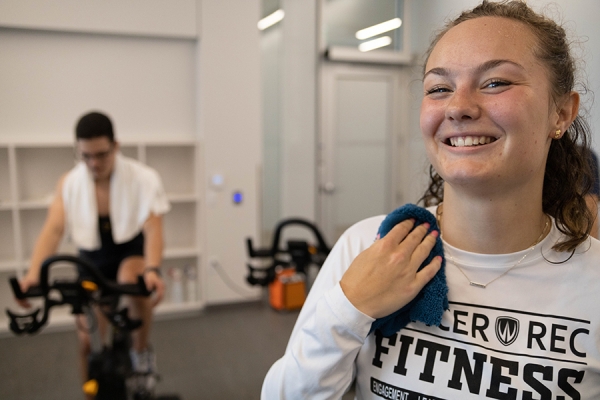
(110, 368)
(284, 270)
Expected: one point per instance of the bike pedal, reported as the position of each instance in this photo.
(91, 387)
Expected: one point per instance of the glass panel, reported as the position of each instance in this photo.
(342, 19)
(362, 106)
(269, 7)
(361, 189)
(361, 167)
(271, 66)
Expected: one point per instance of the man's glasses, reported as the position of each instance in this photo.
(100, 155)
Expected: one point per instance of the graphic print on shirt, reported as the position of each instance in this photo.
(491, 353)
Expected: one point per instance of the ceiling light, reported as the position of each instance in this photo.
(375, 43)
(270, 20)
(379, 29)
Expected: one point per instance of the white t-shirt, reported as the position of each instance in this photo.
(531, 334)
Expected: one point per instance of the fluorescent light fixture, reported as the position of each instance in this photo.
(378, 29)
(375, 43)
(270, 20)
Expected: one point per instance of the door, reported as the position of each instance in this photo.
(360, 136)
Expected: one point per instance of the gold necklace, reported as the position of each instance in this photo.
(439, 216)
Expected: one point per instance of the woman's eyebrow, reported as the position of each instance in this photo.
(441, 71)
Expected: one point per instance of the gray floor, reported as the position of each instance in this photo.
(223, 353)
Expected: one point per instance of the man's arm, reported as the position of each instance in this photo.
(153, 252)
(48, 241)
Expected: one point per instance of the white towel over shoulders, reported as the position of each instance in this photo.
(136, 191)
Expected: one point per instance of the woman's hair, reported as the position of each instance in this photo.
(568, 175)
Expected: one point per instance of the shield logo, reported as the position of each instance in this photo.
(507, 330)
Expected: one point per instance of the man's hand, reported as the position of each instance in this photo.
(25, 283)
(154, 283)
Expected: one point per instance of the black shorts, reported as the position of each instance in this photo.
(109, 257)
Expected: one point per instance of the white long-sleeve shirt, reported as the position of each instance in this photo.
(531, 334)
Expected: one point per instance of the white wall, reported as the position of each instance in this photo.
(49, 78)
(230, 115)
(124, 17)
(133, 59)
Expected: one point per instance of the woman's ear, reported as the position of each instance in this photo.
(566, 112)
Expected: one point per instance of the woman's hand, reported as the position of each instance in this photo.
(384, 278)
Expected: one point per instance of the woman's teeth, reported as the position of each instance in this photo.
(466, 141)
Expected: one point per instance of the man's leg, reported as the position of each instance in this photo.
(142, 356)
(83, 334)
(140, 307)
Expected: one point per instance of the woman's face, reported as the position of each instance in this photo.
(487, 117)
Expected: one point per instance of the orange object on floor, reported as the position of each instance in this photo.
(288, 290)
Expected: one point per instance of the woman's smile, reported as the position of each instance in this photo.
(470, 141)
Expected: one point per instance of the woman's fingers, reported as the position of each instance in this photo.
(399, 232)
(428, 272)
(384, 277)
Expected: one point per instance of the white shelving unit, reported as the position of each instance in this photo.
(29, 172)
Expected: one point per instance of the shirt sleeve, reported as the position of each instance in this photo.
(319, 359)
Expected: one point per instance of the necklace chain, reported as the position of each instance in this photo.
(439, 216)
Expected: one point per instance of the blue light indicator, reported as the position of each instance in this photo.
(237, 197)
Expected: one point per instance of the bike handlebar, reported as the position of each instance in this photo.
(77, 293)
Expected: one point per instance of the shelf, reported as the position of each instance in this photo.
(30, 168)
(175, 162)
(32, 221)
(130, 151)
(9, 266)
(6, 205)
(44, 203)
(182, 197)
(180, 223)
(40, 204)
(7, 236)
(39, 169)
(5, 192)
(180, 252)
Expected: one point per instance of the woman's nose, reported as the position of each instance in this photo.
(463, 105)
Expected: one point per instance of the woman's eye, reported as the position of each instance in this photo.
(437, 89)
(496, 83)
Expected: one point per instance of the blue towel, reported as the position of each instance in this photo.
(432, 301)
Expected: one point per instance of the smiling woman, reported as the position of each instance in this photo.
(500, 121)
